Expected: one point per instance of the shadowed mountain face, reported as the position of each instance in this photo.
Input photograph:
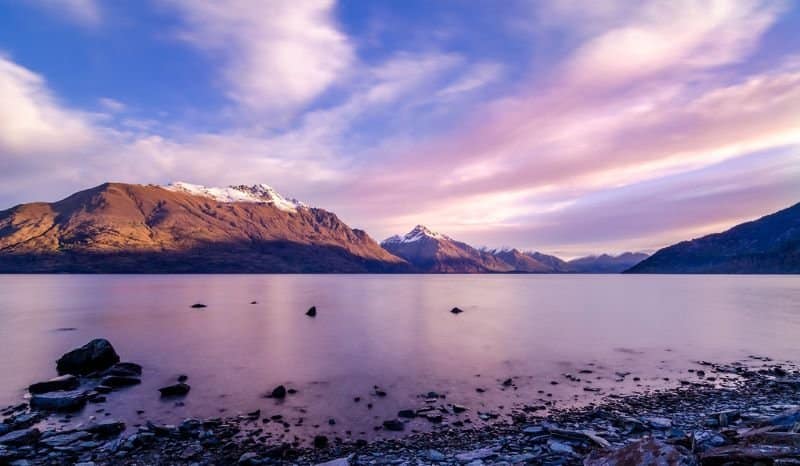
(136, 228)
(433, 252)
(605, 263)
(770, 244)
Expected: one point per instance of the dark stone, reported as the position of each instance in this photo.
(103, 389)
(407, 413)
(63, 382)
(97, 355)
(21, 421)
(320, 441)
(393, 425)
(278, 392)
(20, 437)
(178, 389)
(508, 382)
(118, 381)
(643, 452)
(459, 409)
(125, 369)
(59, 401)
(456, 310)
(183, 378)
(312, 311)
(198, 306)
(106, 428)
(380, 393)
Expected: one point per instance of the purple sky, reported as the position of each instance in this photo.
(568, 127)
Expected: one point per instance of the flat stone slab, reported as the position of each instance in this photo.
(20, 437)
(59, 401)
(64, 382)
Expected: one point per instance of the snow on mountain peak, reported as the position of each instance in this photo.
(417, 233)
(260, 193)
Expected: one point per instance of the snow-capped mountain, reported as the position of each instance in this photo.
(118, 227)
(430, 251)
(239, 193)
(418, 233)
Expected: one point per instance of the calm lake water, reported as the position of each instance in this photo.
(393, 331)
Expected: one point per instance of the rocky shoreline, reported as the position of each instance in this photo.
(731, 414)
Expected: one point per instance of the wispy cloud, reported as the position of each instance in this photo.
(276, 56)
(653, 124)
(84, 12)
(32, 120)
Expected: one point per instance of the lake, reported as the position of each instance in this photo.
(391, 331)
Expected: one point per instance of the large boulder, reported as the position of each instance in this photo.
(97, 355)
(644, 452)
(63, 382)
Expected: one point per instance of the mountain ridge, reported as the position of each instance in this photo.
(769, 244)
(118, 227)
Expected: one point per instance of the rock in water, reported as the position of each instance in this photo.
(178, 389)
(278, 392)
(650, 452)
(59, 401)
(198, 306)
(63, 382)
(118, 381)
(393, 425)
(125, 369)
(456, 310)
(320, 441)
(97, 355)
(106, 427)
(312, 311)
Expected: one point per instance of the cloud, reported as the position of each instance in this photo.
(670, 37)
(32, 120)
(653, 127)
(111, 105)
(84, 12)
(276, 56)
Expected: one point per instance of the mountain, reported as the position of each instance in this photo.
(182, 227)
(770, 244)
(523, 261)
(433, 252)
(556, 264)
(606, 263)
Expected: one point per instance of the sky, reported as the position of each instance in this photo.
(563, 126)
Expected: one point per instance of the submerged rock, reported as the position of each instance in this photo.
(198, 306)
(178, 389)
(456, 310)
(125, 369)
(63, 382)
(97, 355)
(118, 381)
(312, 311)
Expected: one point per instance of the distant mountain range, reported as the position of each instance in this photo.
(770, 244)
(185, 228)
(432, 252)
